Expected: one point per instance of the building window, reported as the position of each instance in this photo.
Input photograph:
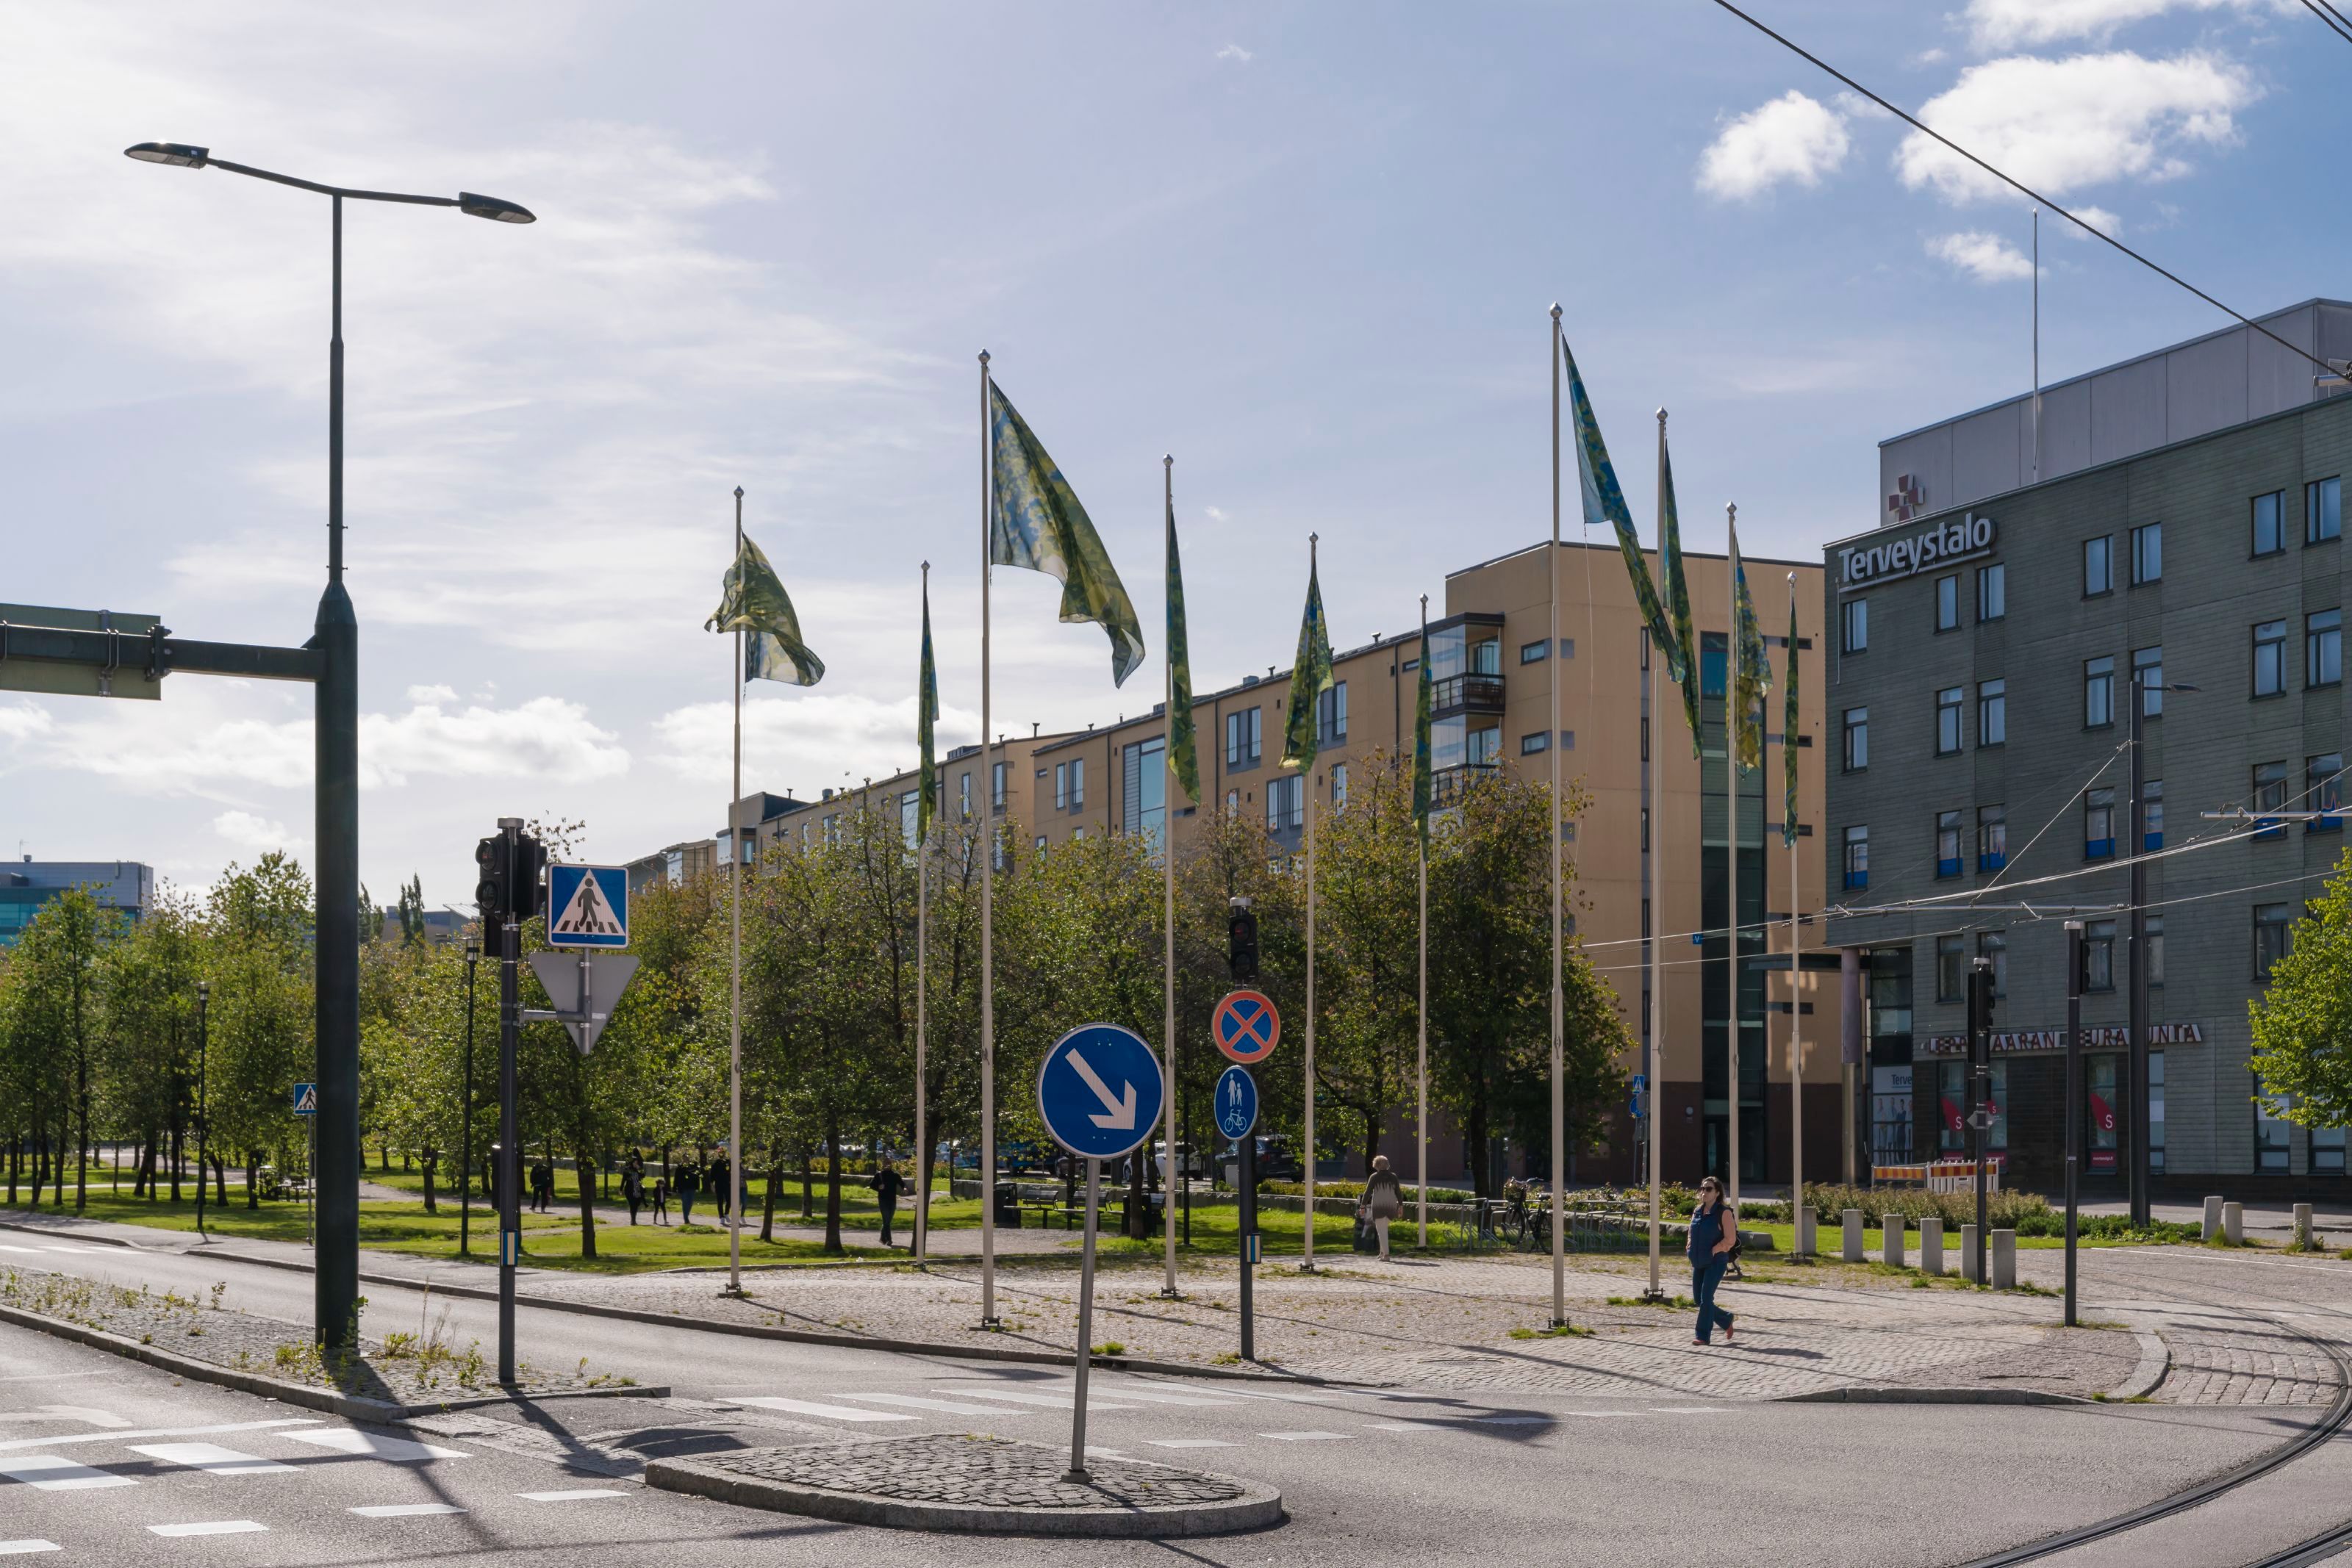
(2155, 950)
(1338, 785)
(1857, 739)
(2322, 648)
(911, 806)
(1143, 792)
(1992, 837)
(2147, 670)
(2270, 1132)
(1857, 858)
(2099, 824)
(1992, 711)
(964, 795)
(996, 771)
(1951, 968)
(1077, 782)
(1331, 714)
(1284, 804)
(2270, 658)
(2270, 511)
(1856, 623)
(1947, 843)
(2152, 802)
(1947, 721)
(2270, 795)
(2327, 1150)
(1534, 653)
(2147, 553)
(1568, 649)
(1040, 847)
(1233, 802)
(1482, 748)
(2322, 511)
(1535, 741)
(2323, 791)
(1061, 785)
(2099, 956)
(2273, 925)
(1993, 592)
(1948, 603)
(1567, 739)
(1993, 946)
(2098, 693)
(2098, 567)
(1242, 738)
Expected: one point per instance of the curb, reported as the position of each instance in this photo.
(2155, 1362)
(1259, 1508)
(1870, 1395)
(350, 1406)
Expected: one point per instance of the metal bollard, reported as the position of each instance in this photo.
(1891, 1227)
(1968, 1254)
(1806, 1226)
(1931, 1246)
(2233, 1223)
(2303, 1225)
(1853, 1217)
(2004, 1259)
(2212, 1219)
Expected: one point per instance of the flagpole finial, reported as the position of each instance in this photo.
(1555, 311)
(1167, 460)
(1662, 419)
(738, 492)
(927, 568)
(1731, 511)
(983, 356)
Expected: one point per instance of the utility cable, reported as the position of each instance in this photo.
(2330, 18)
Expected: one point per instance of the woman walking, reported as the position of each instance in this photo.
(1714, 1232)
(1383, 1200)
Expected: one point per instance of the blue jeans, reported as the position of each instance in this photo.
(1706, 1273)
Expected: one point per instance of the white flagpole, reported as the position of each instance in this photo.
(988, 1319)
(1168, 899)
(735, 960)
(1796, 995)
(1420, 1010)
(922, 982)
(1731, 717)
(1660, 659)
(1306, 787)
(1551, 745)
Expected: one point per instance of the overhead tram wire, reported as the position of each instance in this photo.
(2091, 229)
(2331, 18)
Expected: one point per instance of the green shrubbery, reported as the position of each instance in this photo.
(2003, 1210)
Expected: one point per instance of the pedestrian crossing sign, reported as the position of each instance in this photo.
(306, 1099)
(588, 906)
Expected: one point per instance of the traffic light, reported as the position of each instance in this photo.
(1241, 941)
(529, 878)
(511, 886)
(490, 891)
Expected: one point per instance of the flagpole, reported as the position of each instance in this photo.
(1421, 1008)
(735, 961)
(922, 973)
(1657, 1056)
(1796, 996)
(1307, 1257)
(988, 1319)
(1559, 1099)
(1168, 899)
(1731, 718)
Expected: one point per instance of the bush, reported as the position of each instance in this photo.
(2003, 1210)
(2109, 1227)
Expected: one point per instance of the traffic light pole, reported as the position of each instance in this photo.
(1980, 982)
(2073, 1096)
(509, 1166)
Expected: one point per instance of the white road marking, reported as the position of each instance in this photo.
(210, 1527)
(51, 1473)
(1188, 1443)
(28, 1250)
(579, 1495)
(812, 1407)
(405, 1510)
(1306, 1437)
(1512, 1420)
(1691, 1409)
(48, 1376)
(1153, 1396)
(161, 1432)
(49, 1249)
(25, 1548)
(350, 1440)
(945, 1406)
(1410, 1426)
(210, 1458)
(1061, 1401)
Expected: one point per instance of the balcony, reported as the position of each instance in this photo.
(1448, 785)
(1465, 693)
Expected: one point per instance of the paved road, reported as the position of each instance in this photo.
(1377, 1476)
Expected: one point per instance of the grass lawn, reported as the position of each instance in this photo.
(397, 1226)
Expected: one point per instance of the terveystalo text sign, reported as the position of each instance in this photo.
(1962, 538)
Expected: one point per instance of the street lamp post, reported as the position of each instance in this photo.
(2136, 1106)
(336, 1176)
(466, 1134)
(203, 1040)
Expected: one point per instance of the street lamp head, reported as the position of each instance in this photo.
(177, 154)
(204, 990)
(473, 951)
(491, 208)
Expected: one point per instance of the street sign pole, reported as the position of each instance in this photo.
(509, 1165)
(2074, 1095)
(1981, 983)
(1249, 1238)
(1086, 1326)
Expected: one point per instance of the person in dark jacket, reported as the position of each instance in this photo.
(1714, 1232)
(689, 1188)
(888, 1185)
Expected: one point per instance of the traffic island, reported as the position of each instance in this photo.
(973, 1485)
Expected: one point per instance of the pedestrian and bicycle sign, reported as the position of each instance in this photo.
(306, 1099)
(1236, 1103)
(1100, 1091)
(1246, 1026)
(588, 906)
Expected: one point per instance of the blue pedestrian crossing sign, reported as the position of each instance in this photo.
(1100, 1091)
(588, 906)
(306, 1099)
(1236, 1103)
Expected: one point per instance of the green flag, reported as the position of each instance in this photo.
(752, 600)
(1421, 790)
(1747, 711)
(1038, 524)
(1184, 746)
(1310, 677)
(1789, 728)
(927, 715)
(1677, 591)
(1604, 502)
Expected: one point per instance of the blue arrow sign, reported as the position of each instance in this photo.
(1100, 1091)
(1236, 1103)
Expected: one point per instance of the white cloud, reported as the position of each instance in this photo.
(1925, 58)
(1988, 258)
(22, 720)
(432, 694)
(837, 740)
(2099, 218)
(2004, 24)
(257, 835)
(545, 737)
(2062, 125)
(1236, 52)
(1793, 137)
(1214, 514)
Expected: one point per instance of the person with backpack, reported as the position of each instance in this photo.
(1714, 1236)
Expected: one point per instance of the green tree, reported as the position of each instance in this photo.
(2305, 1014)
(258, 959)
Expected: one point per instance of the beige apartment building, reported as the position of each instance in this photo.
(1493, 659)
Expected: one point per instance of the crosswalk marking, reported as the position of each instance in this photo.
(210, 1458)
(210, 1527)
(580, 1495)
(25, 1548)
(352, 1440)
(945, 1406)
(405, 1510)
(1153, 1396)
(1061, 1401)
(1188, 1443)
(215, 1428)
(49, 1472)
(1306, 1437)
(812, 1407)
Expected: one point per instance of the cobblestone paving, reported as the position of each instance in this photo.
(977, 1472)
(2233, 1360)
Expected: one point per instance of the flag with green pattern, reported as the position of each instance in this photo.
(752, 600)
(1037, 523)
(1310, 677)
(926, 716)
(1184, 746)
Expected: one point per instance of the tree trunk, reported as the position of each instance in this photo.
(16, 1148)
(768, 1204)
(253, 1178)
(220, 1179)
(1481, 1182)
(584, 1166)
(432, 1158)
(39, 1165)
(175, 1155)
(832, 1182)
(808, 1182)
(1139, 1208)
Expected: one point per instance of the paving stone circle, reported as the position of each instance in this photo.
(976, 1472)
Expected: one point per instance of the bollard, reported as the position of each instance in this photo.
(1852, 1235)
(1806, 1224)
(2303, 1225)
(2004, 1259)
(2233, 1223)
(1931, 1246)
(1891, 1225)
(2212, 1219)
(1968, 1254)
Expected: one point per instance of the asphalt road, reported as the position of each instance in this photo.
(1370, 1477)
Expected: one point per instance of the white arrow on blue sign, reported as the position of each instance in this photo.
(1100, 1091)
(1236, 1103)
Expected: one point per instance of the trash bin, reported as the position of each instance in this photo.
(1008, 1207)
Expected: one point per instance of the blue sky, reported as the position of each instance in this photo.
(1307, 248)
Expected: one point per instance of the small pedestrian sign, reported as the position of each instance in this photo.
(589, 906)
(306, 1099)
(1236, 1103)
(1246, 1026)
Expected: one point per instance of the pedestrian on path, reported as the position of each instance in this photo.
(1714, 1232)
(721, 1190)
(1384, 1199)
(661, 1200)
(689, 1188)
(888, 1185)
(633, 1186)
